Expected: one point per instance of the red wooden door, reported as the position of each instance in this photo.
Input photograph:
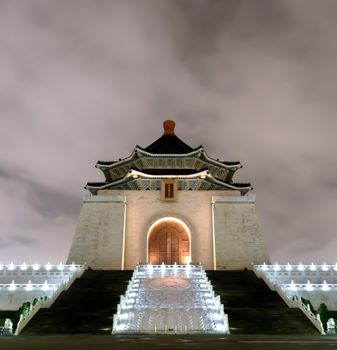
(168, 243)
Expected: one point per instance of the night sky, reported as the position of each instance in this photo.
(82, 81)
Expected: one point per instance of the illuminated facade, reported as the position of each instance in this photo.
(168, 203)
(169, 211)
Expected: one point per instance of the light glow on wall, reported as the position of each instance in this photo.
(12, 286)
(11, 267)
(300, 267)
(325, 286)
(24, 266)
(325, 267)
(72, 267)
(45, 287)
(313, 267)
(29, 286)
(36, 266)
(292, 286)
(289, 267)
(276, 267)
(150, 268)
(309, 287)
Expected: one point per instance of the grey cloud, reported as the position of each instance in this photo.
(14, 240)
(21, 240)
(251, 80)
(208, 20)
(331, 183)
(52, 203)
(4, 243)
(48, 202)
(5, 174)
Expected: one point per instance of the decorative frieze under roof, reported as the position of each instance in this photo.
(138, 180)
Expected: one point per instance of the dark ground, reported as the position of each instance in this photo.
(171, 342)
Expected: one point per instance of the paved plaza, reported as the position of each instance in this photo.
(172, 342)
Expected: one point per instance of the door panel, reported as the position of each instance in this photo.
(168, 243)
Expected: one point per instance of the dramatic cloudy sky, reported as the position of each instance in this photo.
(254, 81)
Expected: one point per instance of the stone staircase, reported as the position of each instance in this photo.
(176, 299)
(253, 308)
(87, 306)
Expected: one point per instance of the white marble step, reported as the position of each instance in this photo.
(170, 299)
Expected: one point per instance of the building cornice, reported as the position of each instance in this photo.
(136, 175)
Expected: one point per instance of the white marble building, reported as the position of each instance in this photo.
(168, 203)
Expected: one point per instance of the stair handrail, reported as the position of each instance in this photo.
(292, 303)
(24, 320)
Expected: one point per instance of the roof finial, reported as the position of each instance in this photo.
(169, 127)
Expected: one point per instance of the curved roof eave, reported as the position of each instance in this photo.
(136, 173)
(139, 149)
(230, 186)
(116, 163)
(205, 174)
(237, 164)
(122, 180)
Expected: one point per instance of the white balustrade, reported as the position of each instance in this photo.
(316, 283)
(283, 274)
(23, 282)
(28, 287)
(55, 293)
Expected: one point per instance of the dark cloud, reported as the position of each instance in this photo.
(15, 240)
(208, 21)
(48, 202)
(24, 240)
(251, 80)
(331, 183)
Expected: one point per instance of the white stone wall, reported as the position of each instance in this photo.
(238, 238)
(192, 207)
(99, 236)
(98, 240)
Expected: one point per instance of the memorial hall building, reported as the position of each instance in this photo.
(168, 203)
(169, 243)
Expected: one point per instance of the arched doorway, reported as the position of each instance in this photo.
(169, 242)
